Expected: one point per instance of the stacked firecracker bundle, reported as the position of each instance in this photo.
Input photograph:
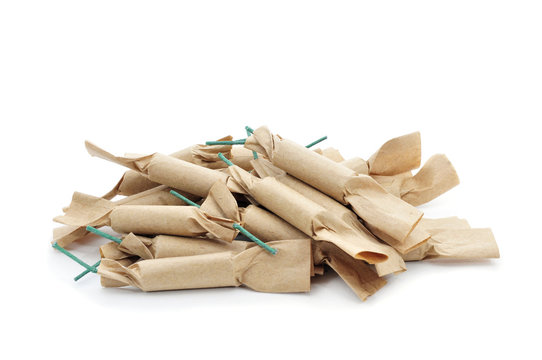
(269, 214)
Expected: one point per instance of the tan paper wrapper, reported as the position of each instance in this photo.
(397, 156)
(110, 283)
(287, 271)
(356, 274)
(133, 182)
(357, 164)
(394, 264)
(90, 210)
(379, 209)
(167, 170)
(435, 178)
(310, 218)
(452, 238)
(241, 157)
(170, 220)
(331, 154)
(267, 226)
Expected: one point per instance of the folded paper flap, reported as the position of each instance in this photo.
(287, 271)
(357, 164)
(114, 270)
(397, 155)
(67, 234)
(416, 238)
(209, 153)
(464, 244)
(135, 163)
(332, 154)
(381, 210)
(136, 245)
(448, 223)
(220, 203)
(356, 273)
(261, 141)
(435, 178)
(112, 251)
(86, 210)
(393, 183)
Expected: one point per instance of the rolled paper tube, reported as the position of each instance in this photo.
(170, 220)
(267, 226)
(309, 217)
(166, 170)
(394, 263)
(356, 274)
(132, 182)
(376, 207)
(397, 155)
(163, 246)
(288, 271)
(87, 210)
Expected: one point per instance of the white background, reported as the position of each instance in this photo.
(141, 77)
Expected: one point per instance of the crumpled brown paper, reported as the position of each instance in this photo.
(167, 170)
(133, 182)
(452, 238)
(376, 207)
(265, 168)
(397, 155)
(312, 219)
(436, 177)
(287, 271)
(356, 274)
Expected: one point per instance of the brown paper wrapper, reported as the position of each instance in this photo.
(435, 178)
(377, 208)
(397, 156)
(287, 271)
(394, 263)
(163, 246)
(90, 210)
(267, 226)
(331, 154)
(110, 283)
(133, 182)
(452, 238)
(310, 218)
(170, 220)
(357, 164)
(167, 170)
(356, 274)
(241, 157)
